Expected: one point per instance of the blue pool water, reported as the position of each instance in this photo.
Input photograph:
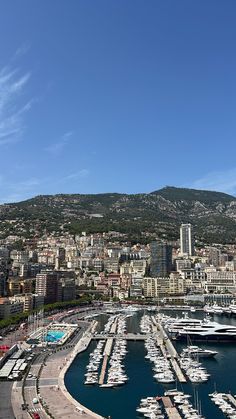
(54, 335)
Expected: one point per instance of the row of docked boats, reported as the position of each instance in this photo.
(150, 407)
(182, 403)
(217, 309)
(222, 401)
(116, 374)
(194, 370)
(161, 365)
(146, 324)
(91, 376)
(110, 323)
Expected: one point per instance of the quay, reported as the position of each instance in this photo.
(103, 370)
(106, 353)
(168, 348)
(54, 399)
(171, 411)
(127, 336)
(114, 326)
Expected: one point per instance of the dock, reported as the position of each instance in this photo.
(127, 336)
(171, 411)
(103, 370)
(178, 371)
(167, 348)
(106, 354)
(169, 345)
(114, 327)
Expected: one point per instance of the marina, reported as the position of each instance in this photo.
(141, 382)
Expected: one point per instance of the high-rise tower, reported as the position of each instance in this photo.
(186, 240)
(161, 259)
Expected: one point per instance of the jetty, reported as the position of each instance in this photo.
(126, 336)
(171, 411)
(168, 349)
(106, 354)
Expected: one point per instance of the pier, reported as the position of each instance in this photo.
(167, 348)
(127, 336)
(114, 327)
(171, 411)
(169, 345)
(106, 353)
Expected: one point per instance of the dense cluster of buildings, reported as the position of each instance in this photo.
(56, 269)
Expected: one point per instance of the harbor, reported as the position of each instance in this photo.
(109, 367)
(141, 382)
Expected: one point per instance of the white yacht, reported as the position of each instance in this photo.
(174, 325)
(210, 331)
(196, 351)
(196, 329)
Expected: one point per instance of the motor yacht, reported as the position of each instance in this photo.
(209, 331)
(196, 351)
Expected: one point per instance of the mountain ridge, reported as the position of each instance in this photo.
(139, 217)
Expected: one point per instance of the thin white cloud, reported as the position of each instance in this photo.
(223, 181)
(83, 173)
(12, 86)
(22, 50)
(56, 148)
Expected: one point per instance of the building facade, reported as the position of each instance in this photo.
(186, 240)
(160, 259)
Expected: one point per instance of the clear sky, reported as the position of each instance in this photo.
(116, 96)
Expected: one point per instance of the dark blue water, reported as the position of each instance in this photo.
(121, 402)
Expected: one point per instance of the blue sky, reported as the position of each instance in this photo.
(116, 96)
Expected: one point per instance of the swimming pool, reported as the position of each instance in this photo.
(54, 335)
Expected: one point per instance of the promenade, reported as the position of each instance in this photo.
(52, 394)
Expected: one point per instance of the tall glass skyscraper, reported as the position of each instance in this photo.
(161, 259)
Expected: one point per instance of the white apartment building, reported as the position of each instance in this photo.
(220, 281)
(186, 240)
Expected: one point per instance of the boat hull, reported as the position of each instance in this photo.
(206, 338)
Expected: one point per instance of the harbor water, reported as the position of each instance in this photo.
(121, 402)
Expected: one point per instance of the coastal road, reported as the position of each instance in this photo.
(10, 395)
(49, 379)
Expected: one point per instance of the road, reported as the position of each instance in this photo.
(11, 393)
(6, 411)
(49, 380)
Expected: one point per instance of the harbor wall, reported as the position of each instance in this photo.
(81, 346)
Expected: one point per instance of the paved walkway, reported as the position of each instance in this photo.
(60, 403)
(52, 392)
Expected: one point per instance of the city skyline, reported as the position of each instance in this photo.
(93, 93)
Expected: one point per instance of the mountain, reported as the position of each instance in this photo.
(140, 217)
